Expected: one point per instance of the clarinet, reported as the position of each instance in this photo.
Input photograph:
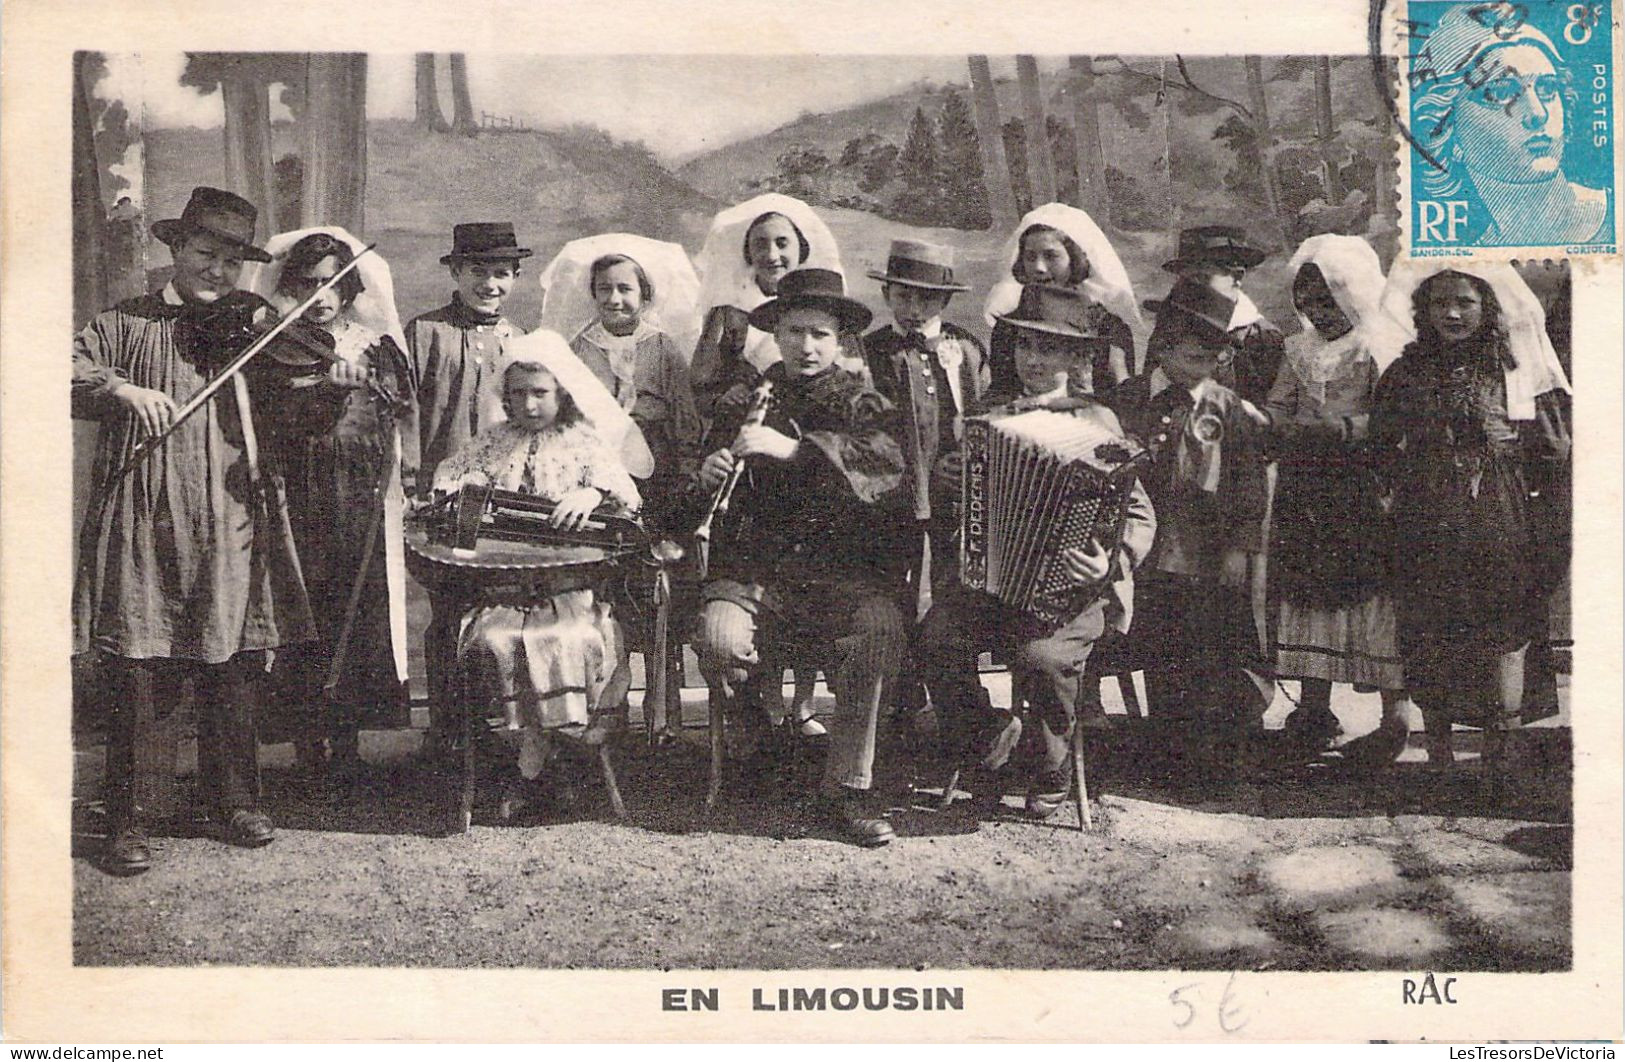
(761, 398)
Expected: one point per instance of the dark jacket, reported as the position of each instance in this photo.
(918, 383)
(836, 509)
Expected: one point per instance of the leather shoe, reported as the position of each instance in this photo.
(860, 827)
(128, 851)
(249, 829)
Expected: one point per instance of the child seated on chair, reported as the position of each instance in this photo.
(551, 662)
(1053, 339)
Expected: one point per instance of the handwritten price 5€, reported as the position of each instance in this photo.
(1190, 1004)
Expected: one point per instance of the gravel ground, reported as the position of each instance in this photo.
(1316, 868)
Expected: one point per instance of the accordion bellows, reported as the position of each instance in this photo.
(1035, 484)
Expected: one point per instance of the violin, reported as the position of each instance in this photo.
(306, 350)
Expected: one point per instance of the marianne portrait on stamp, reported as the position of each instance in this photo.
(1497, 118)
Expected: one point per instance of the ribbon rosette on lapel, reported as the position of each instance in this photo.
(1208, 428)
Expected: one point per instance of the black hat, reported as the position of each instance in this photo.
(822, 289)
(1058, 311)
(918, 264)
(1210, 310)
(1213, 245)
(219, 213)
(484, 240)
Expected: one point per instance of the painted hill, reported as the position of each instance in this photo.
(555, 185)
(1166, 166)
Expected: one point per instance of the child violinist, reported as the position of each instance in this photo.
(344, 500)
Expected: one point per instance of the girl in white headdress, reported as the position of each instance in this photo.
(344, 492)
(1061, 246)
(1330, 545)
(749, 247)
(550, 663)
(631, 304)
(1470, 430)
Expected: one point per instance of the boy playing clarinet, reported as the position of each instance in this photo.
(803, 560)
(1053, 341)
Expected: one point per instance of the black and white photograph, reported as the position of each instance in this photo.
(912, 512)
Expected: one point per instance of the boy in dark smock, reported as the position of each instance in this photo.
(187, 570)
(453, 389)
(807, 561)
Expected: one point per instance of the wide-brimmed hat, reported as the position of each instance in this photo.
(219, 213)
(1194, 301)
(1054, 310)
(484, 241)
(918, 264)
(821, 289)
(1213, 245)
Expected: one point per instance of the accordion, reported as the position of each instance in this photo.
(1037, 483)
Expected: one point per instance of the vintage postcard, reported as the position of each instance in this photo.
(823, 523)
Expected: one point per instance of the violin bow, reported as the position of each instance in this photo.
(151, 443)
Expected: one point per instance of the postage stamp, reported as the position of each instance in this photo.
(1507, 121)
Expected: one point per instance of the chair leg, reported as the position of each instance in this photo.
(948, 787)
(714, 783)
(674, 686)
(1085, 820)
(617, 805)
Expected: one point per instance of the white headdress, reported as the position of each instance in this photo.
(1107, 283)
(1537, 369)
(567, 302)
(598, 407)
(372, 314)
(373, 310)
(1354, 274)
(727, 279)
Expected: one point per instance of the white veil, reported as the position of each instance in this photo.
(373, 311)
(567, 303)
(618, 430)
(1354, 274)
(726, 279)
(1537, 370)
(1107, 283)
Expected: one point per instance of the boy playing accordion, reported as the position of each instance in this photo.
(1053, 339)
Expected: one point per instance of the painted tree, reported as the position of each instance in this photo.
(90, 284)
(1266, 142)
(335, 141)
(427, 95)
(1327, 131)
(244, 80)
(917, 169)
(1040, 160)
(462, 106)
(997, 178)
(964, 196)
(1093, 196)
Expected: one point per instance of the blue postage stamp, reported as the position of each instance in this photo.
(1509, 136)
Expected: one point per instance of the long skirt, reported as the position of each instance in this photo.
(540, 666)
(1353, 643)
